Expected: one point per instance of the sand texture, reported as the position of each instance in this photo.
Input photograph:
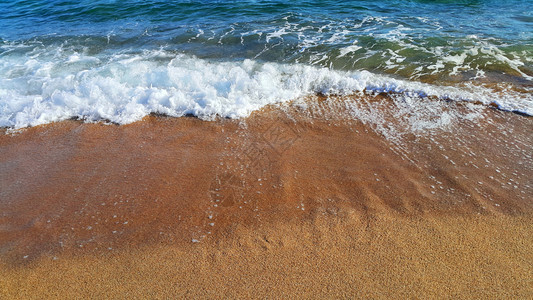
(315, 201)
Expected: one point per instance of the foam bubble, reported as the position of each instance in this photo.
(124, 88)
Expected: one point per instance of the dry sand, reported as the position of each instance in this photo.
(288, 202)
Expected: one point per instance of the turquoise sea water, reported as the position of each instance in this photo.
(121, 60)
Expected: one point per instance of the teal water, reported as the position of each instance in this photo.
(120, 60)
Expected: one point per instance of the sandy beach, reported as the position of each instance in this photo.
(301, 200)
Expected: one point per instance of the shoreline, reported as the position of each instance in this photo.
(261, 198)
(379, 95)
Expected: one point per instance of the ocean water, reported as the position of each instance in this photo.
(121, 60)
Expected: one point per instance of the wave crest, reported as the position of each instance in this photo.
(127, 87)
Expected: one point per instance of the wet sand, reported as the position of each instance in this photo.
(301, 200)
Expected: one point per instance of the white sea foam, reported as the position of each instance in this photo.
(125, 88)
(349, 49)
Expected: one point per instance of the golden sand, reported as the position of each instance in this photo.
(283, 203)
(328, 256)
